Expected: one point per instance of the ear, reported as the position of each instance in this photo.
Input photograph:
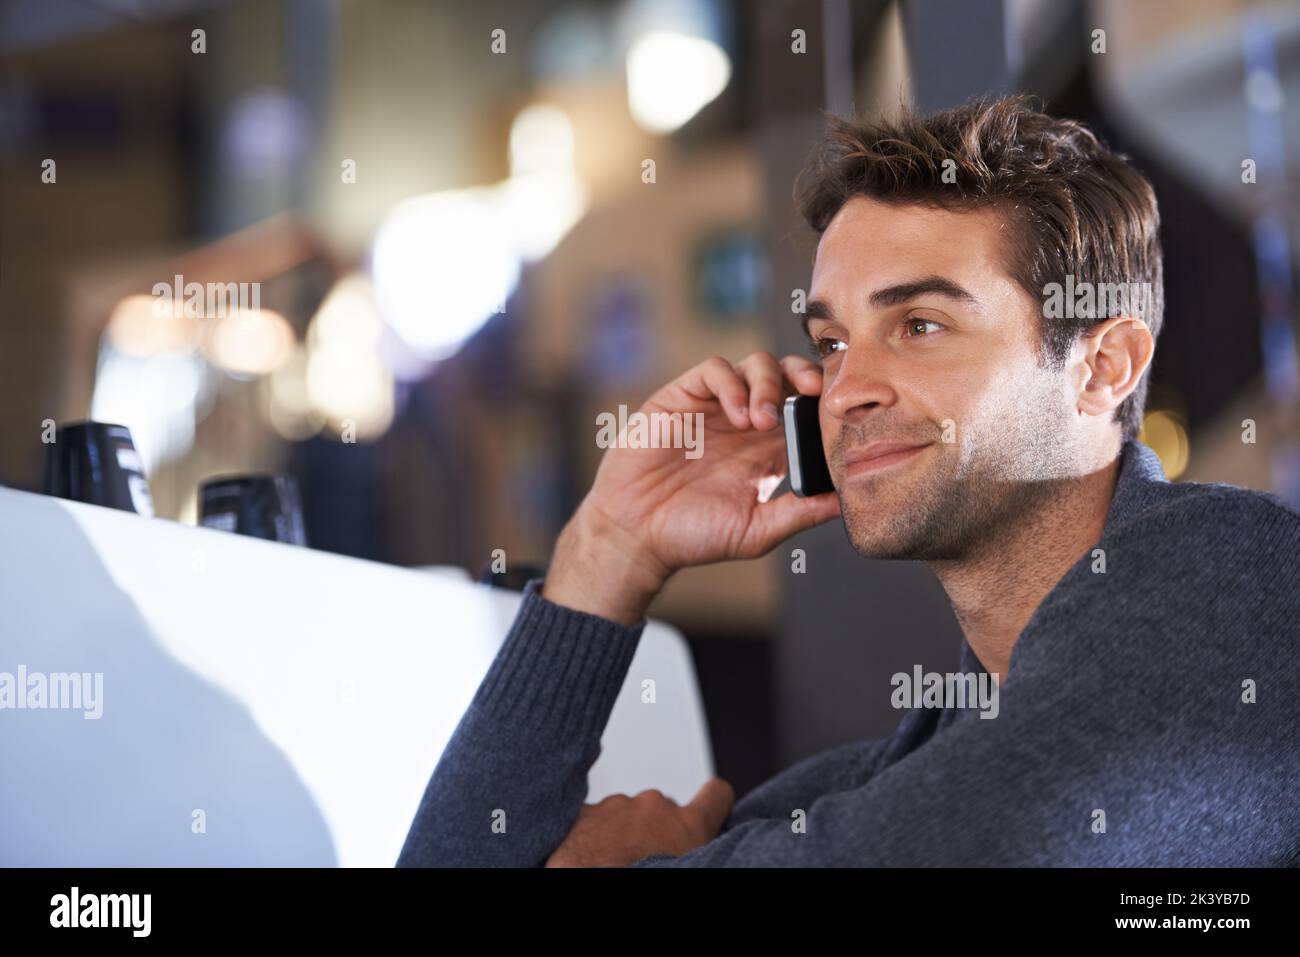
(1116, 352)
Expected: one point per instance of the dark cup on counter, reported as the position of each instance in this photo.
(263, 506)
(96, 462)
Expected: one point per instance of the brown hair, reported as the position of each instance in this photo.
(1084, 211)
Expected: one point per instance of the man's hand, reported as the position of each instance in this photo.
(621, 829)
(652, 511)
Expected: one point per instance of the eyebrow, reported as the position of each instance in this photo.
(895, 295)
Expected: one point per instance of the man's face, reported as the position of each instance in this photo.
(927, 341)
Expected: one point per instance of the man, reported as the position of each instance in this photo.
(1146, 635)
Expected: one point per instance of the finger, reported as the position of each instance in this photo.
(718, 378)
(771, 380)
(804, 374)
(710, 806)
(789, 514)
(767, 388)
(654, 794)
(797, 374)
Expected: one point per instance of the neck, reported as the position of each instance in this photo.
(995, 591)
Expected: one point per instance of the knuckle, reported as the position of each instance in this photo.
(695, 825)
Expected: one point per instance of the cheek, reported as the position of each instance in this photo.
(989, 379)
(1018, 400)
(950, 394)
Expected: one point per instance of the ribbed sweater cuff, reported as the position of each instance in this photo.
(559, 671)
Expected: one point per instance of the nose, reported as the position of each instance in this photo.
(861, 385)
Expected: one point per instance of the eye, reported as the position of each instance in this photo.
(912, 323)
(822, 346)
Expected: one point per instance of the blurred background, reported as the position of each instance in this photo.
(461, 255)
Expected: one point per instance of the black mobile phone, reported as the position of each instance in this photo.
(809, 474)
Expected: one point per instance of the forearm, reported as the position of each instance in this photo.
(514, 775)
(602, 569)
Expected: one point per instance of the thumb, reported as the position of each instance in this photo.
(782, 517)
(711, 805)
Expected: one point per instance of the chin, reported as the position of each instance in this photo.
(871, 540)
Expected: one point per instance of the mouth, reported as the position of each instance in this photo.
(879, 457)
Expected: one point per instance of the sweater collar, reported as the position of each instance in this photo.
(1141, 478)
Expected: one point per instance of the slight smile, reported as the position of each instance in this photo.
(878, 457)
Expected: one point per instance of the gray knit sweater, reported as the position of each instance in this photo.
(1151, 716)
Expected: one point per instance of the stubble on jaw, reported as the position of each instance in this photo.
(975, 493)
